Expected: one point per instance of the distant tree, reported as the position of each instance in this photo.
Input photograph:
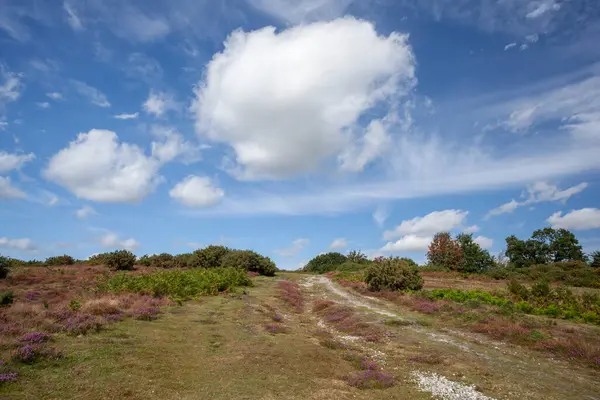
(445, 252)
(595, 259)
(325, 262)
(545, 246)
(357, 257)
(475, 259)
(4, 267)
(560, 244)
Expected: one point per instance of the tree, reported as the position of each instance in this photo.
(475, 259)
(595, 259)
(357, 257)
(445, 252)
(545, 246)
(560, 245)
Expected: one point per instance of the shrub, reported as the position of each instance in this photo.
(120, 260)
(249, 261)
(144, 260)
(5, 265)
(275, 328)
(6, 298)
(97, 259)
(209, 257)
(392, 274)
(60, 260)
(540, 289)
(182, 284)
(520, 291)
(325, 262)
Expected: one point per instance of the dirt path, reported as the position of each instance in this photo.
(495, 368)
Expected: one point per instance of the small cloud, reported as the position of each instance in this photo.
(509, 46)
(43, 104)
(380, 215)
(55, 96)
(197, 191)
(338, 244)
(484, 242)
(112, 240)
(297, 246)
(127, 116)
(471, 229)
(159, 103)
(24, 244)
(72, 18)
(532, 38)
(84, 212)
(524, 46)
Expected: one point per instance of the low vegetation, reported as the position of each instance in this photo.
(179, 284)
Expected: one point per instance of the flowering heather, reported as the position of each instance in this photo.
(35, 337)
(80, 324)
(30, 353)
(277, 317)
(275, 328)
(33, 296)
(113, 317)
(6, 374)
(145, 313)
(291, 294)
(370, 379)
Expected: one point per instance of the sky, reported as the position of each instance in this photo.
(296, 127)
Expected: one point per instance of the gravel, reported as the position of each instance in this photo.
(445, 389)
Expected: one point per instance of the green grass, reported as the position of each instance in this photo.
(179, 284)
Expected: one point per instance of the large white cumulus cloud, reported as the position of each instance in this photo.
(286, 101)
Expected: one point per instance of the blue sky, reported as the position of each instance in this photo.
(295, 127)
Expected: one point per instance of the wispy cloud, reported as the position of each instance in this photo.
(95, 96)
(127, 116)
(539, 192)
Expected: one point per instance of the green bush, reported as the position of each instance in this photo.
(120, 260)
(392, 273)
(4, 267)
(97, 259)
(60, 260)
(249, 261)
(209, 257)
(145, 260)
(6, 298)
(520, 291)
(351, 267)
(178, 283)
(325, 262)
(540, 289)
